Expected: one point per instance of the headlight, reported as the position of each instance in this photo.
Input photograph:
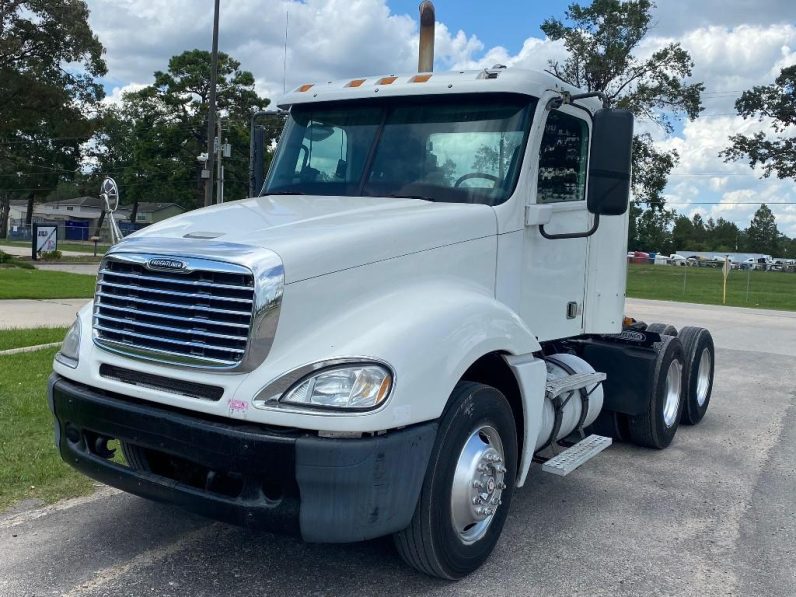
(70, 349)
(350, 387)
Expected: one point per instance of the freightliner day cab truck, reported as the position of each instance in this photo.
(425, 299)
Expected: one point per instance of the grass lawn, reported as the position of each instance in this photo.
(16, 283)
(767, 290)
(19, 338)
(31, 466)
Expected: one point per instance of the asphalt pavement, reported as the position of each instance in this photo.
(714, 514)
(26, 313)
(88, 269)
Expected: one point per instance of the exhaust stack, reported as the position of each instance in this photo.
(425, 63)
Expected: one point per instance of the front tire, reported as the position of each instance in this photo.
(468, 486)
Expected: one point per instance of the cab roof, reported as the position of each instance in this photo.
(494, 80)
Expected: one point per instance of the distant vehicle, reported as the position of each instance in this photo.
(757, 263)
(676, 259)
(640, 257)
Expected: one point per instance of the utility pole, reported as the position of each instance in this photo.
(219, 167)
(211, 117)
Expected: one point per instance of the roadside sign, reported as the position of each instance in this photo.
(45, 239)
(725, 270)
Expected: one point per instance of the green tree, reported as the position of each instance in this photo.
(49, 61)
(653, 231)
(762, 235)
(774, 151)
(633, 243)
(723, 236)
(151, 141)
(682, 233)
(699, 234)
(789, 249)
(601, 39)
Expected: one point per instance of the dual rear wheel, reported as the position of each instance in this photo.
(699, 361)
(683, 383)
(656, 425)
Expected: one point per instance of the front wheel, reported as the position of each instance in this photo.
(468, 486)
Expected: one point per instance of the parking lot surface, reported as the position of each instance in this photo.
(714, 514)
(26, 313)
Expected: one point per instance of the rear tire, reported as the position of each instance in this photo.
(700, 362)
(662, 328)
(447, 537)
(656, 427)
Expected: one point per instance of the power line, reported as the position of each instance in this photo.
(93, 136)
(712, 174)
(725, 203)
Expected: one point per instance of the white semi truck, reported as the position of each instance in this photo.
(426, 298)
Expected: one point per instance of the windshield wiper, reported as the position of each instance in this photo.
(283, 193)
(421, 197)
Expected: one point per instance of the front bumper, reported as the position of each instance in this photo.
(328, 490)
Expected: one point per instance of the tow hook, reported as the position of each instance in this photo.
(101, 447)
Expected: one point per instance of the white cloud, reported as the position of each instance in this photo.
(703, 176)
(731, 60)
(115, 95)
(327, 39)
(673, 17)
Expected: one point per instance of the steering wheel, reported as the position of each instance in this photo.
(483, 175)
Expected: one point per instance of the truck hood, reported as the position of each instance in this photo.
(316, 235)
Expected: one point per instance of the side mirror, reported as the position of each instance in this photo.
(258, 149)
(609, 164)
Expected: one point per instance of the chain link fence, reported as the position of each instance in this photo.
(70, 231)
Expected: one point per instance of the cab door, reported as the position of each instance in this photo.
(554, 277)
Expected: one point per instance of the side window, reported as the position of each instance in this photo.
(322, 157)
(562, 159)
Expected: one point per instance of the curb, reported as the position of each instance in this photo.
(29, 348)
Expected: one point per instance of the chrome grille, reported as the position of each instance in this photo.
(200, 315)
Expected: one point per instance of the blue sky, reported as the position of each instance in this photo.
(506, 26)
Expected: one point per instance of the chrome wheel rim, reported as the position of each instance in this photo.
(703, 377)
(674, 385)
(478, 484)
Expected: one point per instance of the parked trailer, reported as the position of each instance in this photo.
(386, 339)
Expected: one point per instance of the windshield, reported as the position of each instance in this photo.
(464, 149)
